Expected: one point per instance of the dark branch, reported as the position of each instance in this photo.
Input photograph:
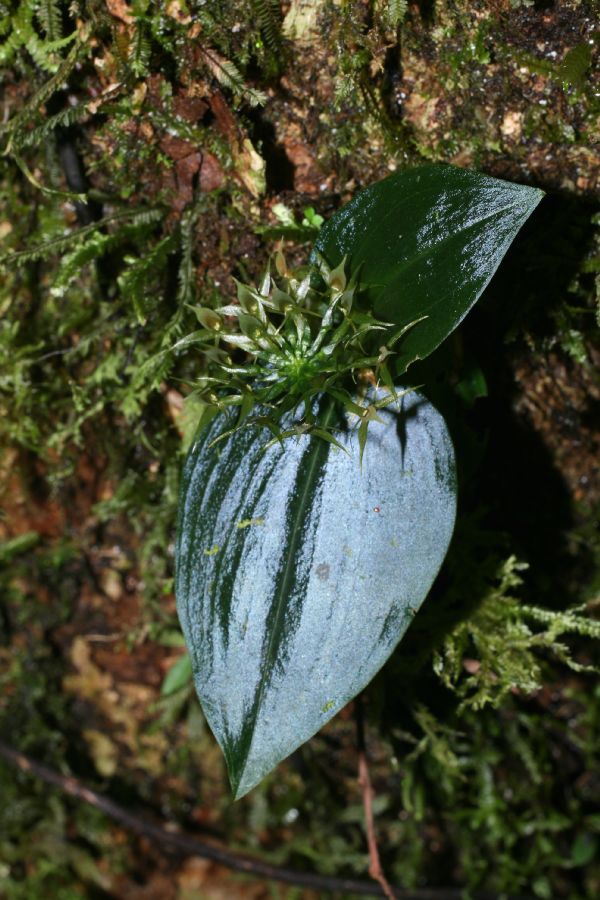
(187, 845)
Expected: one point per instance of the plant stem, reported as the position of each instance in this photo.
(375, 869)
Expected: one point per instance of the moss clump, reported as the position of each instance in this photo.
(145, 146)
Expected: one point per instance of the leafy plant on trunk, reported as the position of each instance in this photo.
(318, 500)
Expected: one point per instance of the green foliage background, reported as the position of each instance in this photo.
(485, 761)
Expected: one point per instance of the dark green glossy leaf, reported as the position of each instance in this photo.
(298, 570)
(426, 242)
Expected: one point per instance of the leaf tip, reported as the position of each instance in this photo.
(239, 781)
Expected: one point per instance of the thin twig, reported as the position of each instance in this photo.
(187, 845)
(375, 870)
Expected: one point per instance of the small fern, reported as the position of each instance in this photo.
(18, 31)
(187, 271)
(134, 283)
(43, 94)
(229, 76)
(93, 248)
(73, 263)
(58, 245)
(268, 13)
(50, 18)
(35, 136)
(139, 50)
(393, 12)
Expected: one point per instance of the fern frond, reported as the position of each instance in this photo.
(134, 282)
(37, 135)
(93, 248)
(268, 13)
(186, 273)
(72, 264)
(50, 18)
(20, 31)
(66, 242)
(139, 50)
(393, 12)
(46, 90)
(46, 54)
(175, 125)
(230, 77)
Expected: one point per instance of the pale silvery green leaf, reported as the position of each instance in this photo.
(298, 570)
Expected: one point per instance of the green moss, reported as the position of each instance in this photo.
(485, 774)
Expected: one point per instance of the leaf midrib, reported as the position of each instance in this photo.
(284, 583)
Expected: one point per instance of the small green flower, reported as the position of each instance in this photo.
(298, 336)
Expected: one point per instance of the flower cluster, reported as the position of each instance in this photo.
(298, 336)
